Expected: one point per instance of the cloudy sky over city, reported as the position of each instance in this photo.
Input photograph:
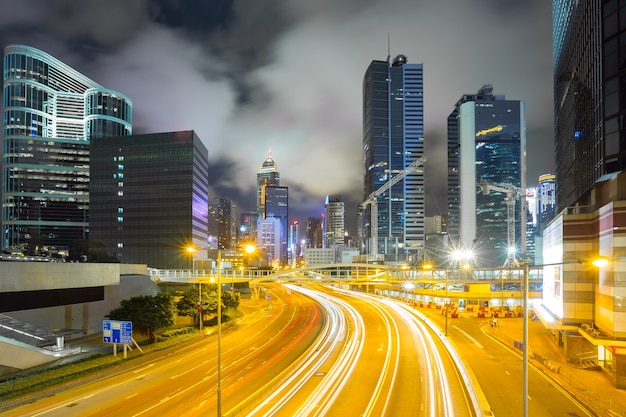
(286, 76)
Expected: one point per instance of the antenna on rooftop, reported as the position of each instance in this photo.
(388, 46)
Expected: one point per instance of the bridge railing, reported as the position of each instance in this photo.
(181, 274)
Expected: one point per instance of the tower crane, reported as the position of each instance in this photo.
(512, 193)
(372, 199)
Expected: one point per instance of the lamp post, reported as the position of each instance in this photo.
(192, 250)
(249, 249)
(219, 332)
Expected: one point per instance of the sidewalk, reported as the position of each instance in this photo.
(588, 386)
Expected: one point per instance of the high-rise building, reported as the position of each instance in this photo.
(149, 198)
(393, 138)
(590, 154)
(247, 227)
(234, 235)
(295, 246)
(224, 216)
(268, 239)
(267, 175)
(314, 233)
(334, 219)
(486, 143)
(277, 206)
(546, 201)
(51, 112)
(588, 52)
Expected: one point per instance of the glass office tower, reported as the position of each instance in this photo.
(334, 219)
(486, 142)
(589, 50)
(277, 206)
(393, 138)
(149, 198)
(267, 175)
(51, 112)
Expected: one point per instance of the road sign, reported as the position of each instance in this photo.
(120, 332)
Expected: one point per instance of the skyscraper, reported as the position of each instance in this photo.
(51, 112)
(546, 201)
(393, 138)
(149, 198)
(589, 109)
(268, 239)
(486, 142)
(590, 154)
(334, 219)
(277, 206)
(224, 218)
(314, 232)
(267, 175)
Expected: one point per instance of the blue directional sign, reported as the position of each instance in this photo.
(120, 332)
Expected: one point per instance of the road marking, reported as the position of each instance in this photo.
(470, 338)
(142, 369)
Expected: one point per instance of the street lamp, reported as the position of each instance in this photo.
(249, 249)
(192, 250)
(458, 256)
(219, 332)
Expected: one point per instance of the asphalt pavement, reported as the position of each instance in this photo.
(588, 385)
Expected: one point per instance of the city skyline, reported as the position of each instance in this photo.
(231, 75)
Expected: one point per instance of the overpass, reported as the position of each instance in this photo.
(481, 287)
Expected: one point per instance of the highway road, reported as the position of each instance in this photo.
(322, 352)
(388, 363)
(499, 372)
(183, 382)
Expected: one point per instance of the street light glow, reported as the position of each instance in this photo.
(600, 261)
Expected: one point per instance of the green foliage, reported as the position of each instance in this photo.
(147, 312)
(230, 299)
(188, 304)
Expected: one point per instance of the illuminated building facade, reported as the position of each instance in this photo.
(393, 138)
(268, 239)
(486, 142)
(584, 305)
(589, 49)
(546, 201)
(334, 219)
(50, 114)
(314, 232)
(149, 198)
(277, 206)
(267, 175)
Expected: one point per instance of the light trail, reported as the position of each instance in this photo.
(335, 330)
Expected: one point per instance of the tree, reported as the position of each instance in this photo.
(230, 299)
(188, 304)
(147, 312)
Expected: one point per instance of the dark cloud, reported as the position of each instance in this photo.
(286, 75)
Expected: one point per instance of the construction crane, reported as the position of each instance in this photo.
(512, 193)
(372, 200)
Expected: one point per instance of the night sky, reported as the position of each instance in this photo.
(258, 75)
